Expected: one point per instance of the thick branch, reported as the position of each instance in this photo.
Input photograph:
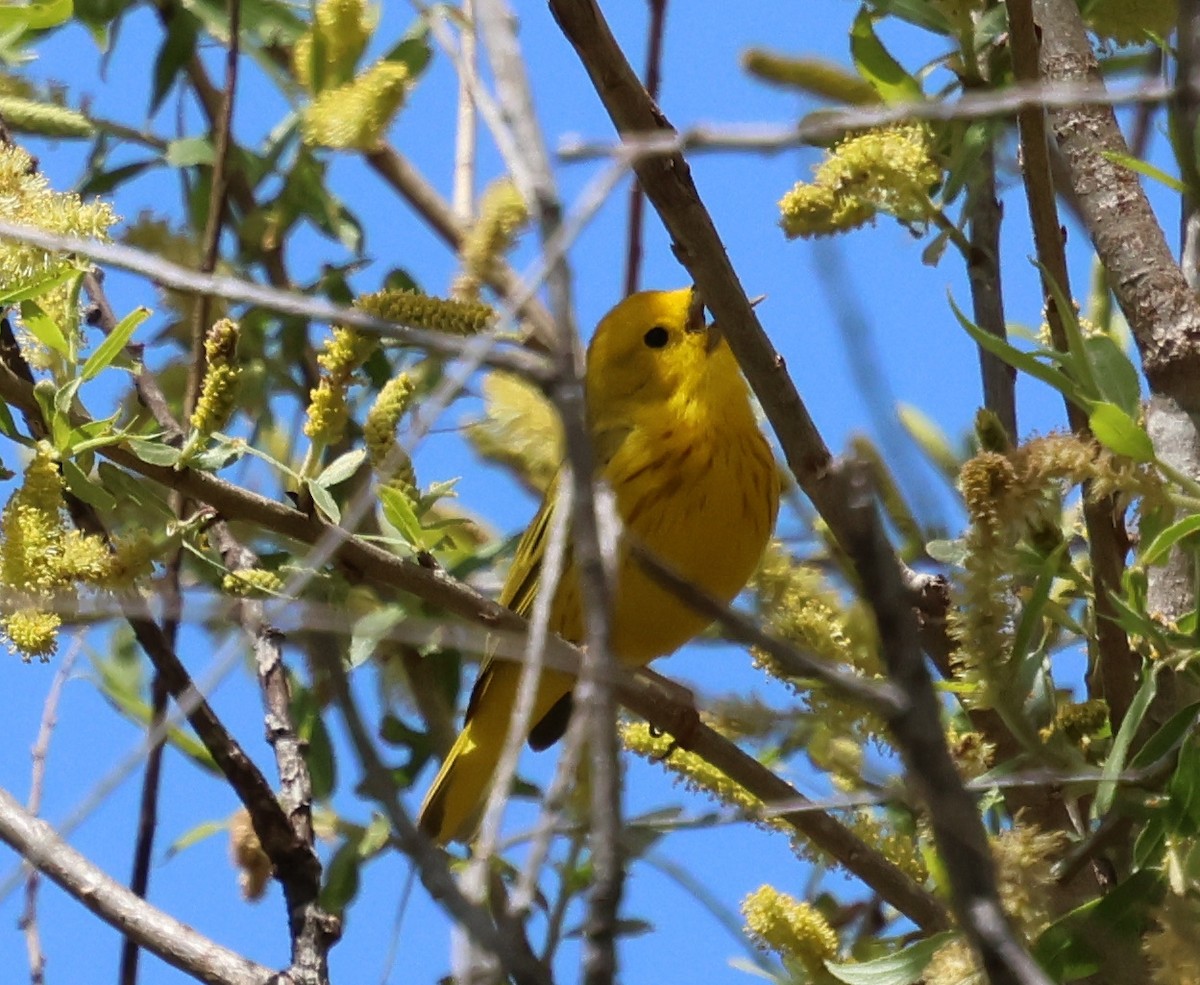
(1154, 296)
(176, 943)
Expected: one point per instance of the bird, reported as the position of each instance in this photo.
(696, 485)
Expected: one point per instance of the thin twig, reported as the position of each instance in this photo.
(637, 202)
(771, 138)
(172, 275)
(463, 197)
(987, 297)
(28, 922)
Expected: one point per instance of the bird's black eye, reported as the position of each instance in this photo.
(657, 337)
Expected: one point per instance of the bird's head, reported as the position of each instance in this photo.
(654, 350)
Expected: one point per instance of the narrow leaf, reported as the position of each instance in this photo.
(341, 468)
(902, 968)
(111, 347)
(44, 328)
(1115, 763)
(1022, 361)
(877, 65)
(1157, 550)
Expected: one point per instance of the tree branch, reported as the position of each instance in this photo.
(175, 942)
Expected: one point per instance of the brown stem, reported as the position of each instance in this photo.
(637, 201)
(1116, 665)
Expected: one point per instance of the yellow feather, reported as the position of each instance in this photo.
(695, 484)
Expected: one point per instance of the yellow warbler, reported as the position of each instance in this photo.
(695, 485)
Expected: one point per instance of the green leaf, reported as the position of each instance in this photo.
(902, 968)
(399, 513)
(375, 837)
(175, 53)
(35, 16)
(1025, 660)
(1115, 374)
(341, 877)
(1117, 756)
(1120, 433)
(1184, 790)
(8, 427)
(1022, 361)
(33, 289)
(1079, 943)
(194, 836)
(153, 452)
(1146, 169)
(876, 64)
(953, 552)
(90, 492)
(1166, 738)
(44, 328)
(341, 468)
(114, 343)
(190, 151)
(105, 182)
(323, 501)
(1157, 550)
(318, 754)
(413, 51)
(369, 630)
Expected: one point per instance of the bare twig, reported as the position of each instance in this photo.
(175, 942)
(28, 922)
(313, 930)
(463, 196)
(286, 302)
(637, 202)
(987, 297)
(769, 138)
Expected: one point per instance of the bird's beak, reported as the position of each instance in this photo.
(695, 322)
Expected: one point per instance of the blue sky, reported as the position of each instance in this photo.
(904, 327)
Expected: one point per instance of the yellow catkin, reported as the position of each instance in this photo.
(44, 119)
(222, 372)
(356, 114)
(888, 170)
(520, 429)
(328, 413)
(26, 198)
(502, 215)
(252, 583)
(422, 311)
(339, 34)
(391, 462)
(792, 929)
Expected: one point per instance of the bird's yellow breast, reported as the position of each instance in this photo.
(705, 505)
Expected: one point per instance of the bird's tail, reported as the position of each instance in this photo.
(454, 805)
